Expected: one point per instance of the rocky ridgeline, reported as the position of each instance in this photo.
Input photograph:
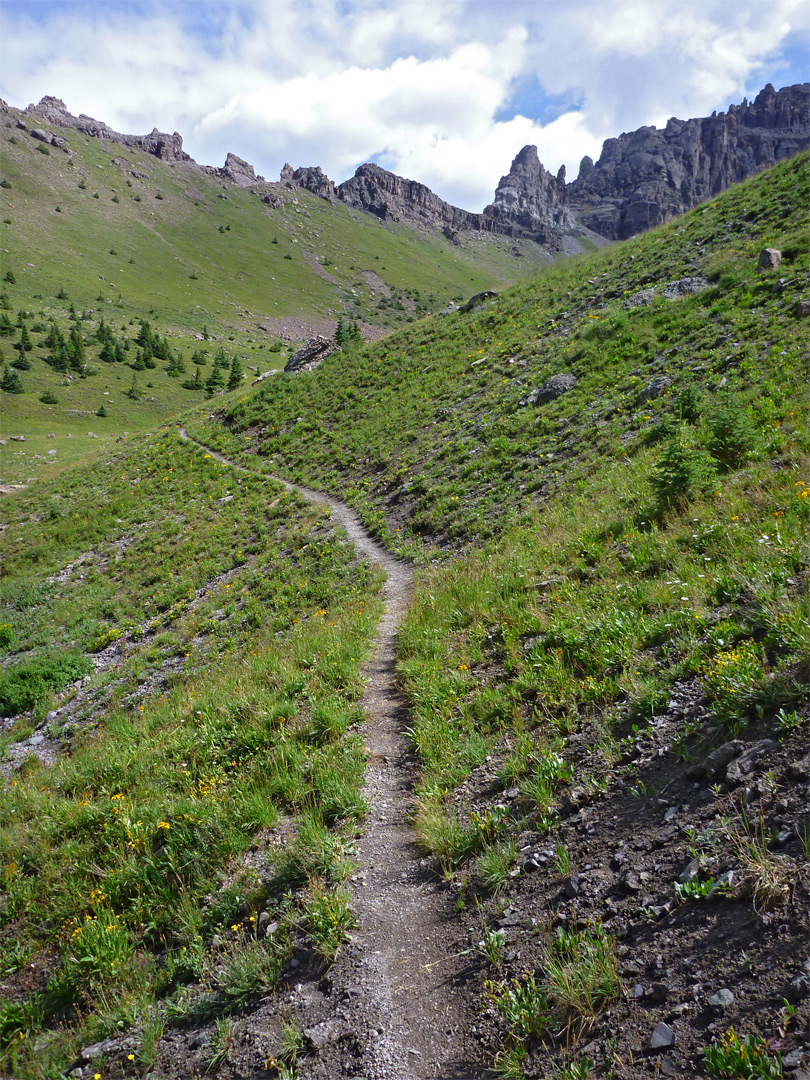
(393, 198)
(641, 179)
(647, 177)
(158, 143)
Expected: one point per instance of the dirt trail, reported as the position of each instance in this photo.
(393, 990)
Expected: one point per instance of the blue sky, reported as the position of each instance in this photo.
(443, 91)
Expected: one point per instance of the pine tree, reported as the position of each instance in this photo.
(236, 376)
(78, 345)
(342, 332)
(6, 325)
(11, 382)
(215, 381)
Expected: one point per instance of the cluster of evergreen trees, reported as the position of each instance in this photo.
(217, 380)
(67, 352)
(347, 330)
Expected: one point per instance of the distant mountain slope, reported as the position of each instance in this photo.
(135, 221)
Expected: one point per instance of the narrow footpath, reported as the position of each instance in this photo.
(393, 991)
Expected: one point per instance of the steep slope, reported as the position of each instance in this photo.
(104, 230)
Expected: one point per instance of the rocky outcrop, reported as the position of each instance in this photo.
(158, 143)
(314, 179)
(531, 197)
(309, 356)
(239, 172)
(648, 176)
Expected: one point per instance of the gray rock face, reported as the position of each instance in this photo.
(646, 177)
(314, 179)
(239, 172)
(310, 355)
(531, 197)
(394, 198)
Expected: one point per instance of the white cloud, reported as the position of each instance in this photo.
(416, 85)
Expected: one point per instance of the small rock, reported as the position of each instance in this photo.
(721, 1001)
(572, 885)
(637, 991)
(800, 770)
(630, 881)
(769, 259)
(552, 388)
(744, 765)
(723, 884)
(799, 988)
(662, 1037)
(658, 992)
(655, 388)
(719, 758)
(802, 309)
(321, 1034)
(690, 872)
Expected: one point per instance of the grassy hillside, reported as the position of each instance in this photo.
(611, 613)
(109, 232)
(197, 249)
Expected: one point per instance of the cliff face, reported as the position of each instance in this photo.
(531, 197)
(648, 176)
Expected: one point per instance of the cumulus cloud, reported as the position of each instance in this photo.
(423, 87)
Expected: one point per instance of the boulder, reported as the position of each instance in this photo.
(552, 388)
(478, 300)
(769, 258)
(312, 354)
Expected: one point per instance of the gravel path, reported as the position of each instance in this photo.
(394, 989)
